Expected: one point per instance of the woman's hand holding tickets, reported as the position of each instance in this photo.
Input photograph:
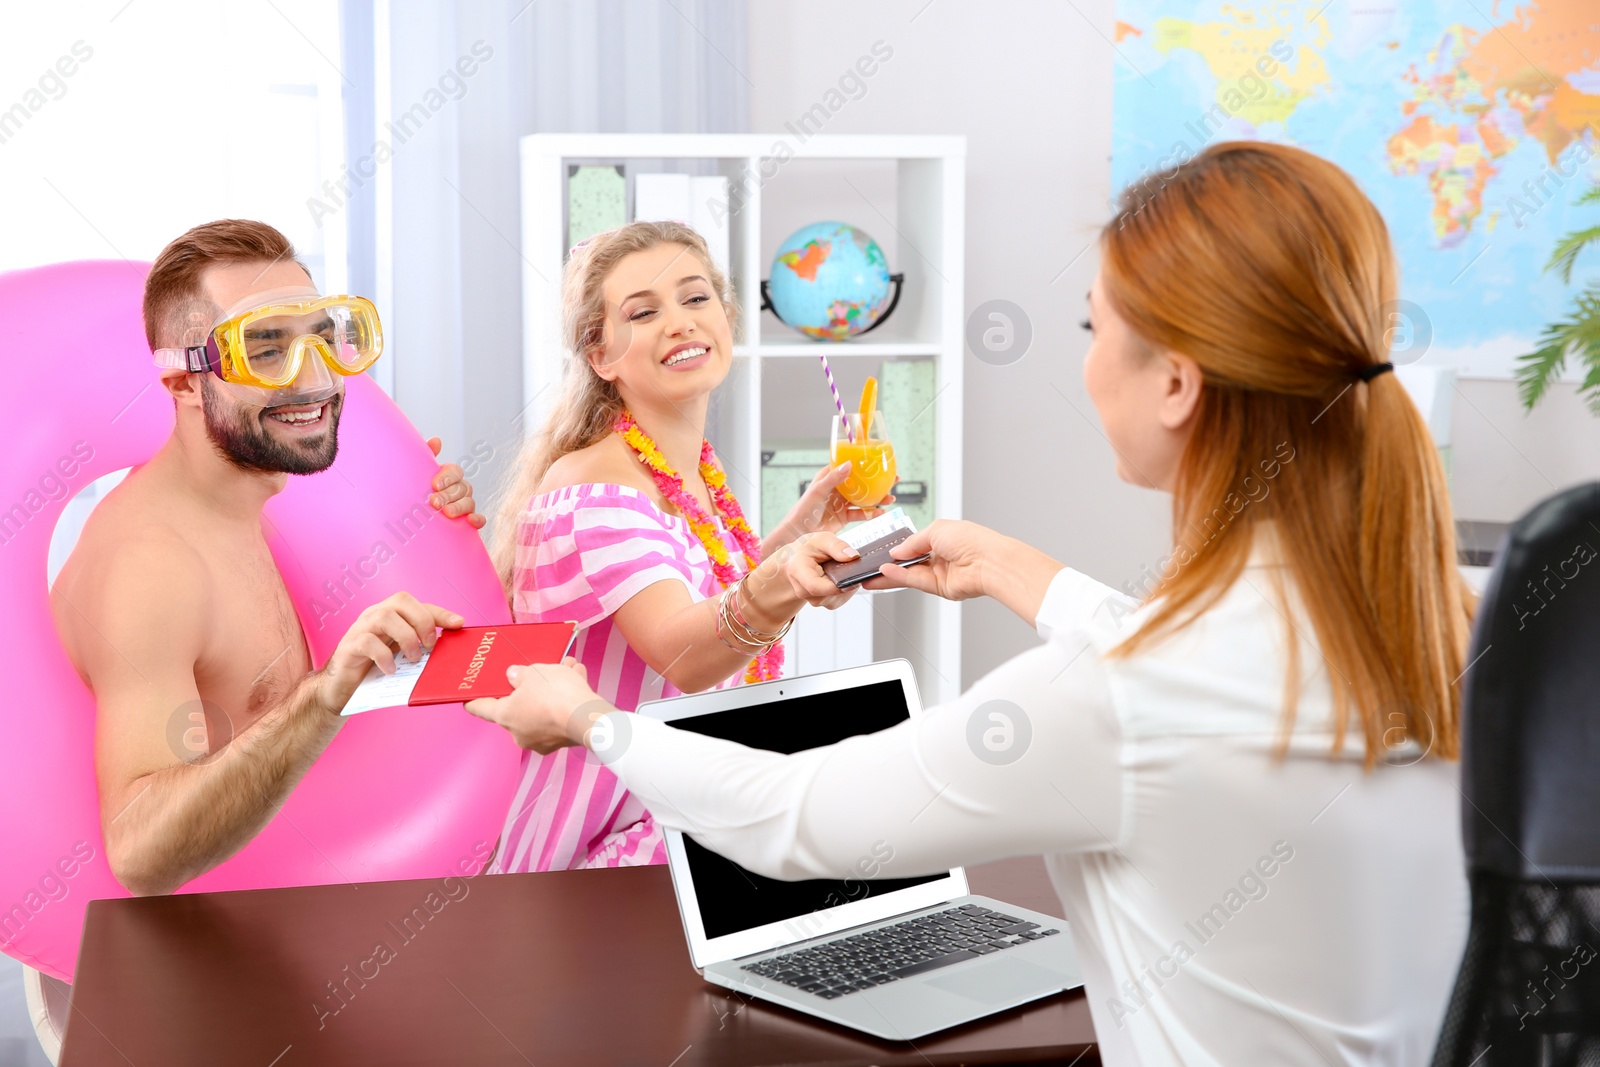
(551, 706)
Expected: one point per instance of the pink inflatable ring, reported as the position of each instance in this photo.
(406, 793)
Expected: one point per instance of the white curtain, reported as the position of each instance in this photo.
(435, 232)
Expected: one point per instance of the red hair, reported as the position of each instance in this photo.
(1272, 270)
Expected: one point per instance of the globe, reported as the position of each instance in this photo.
(829, 281)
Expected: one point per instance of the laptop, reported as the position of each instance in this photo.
(893, 957)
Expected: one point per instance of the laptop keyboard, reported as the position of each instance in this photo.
(889, 953)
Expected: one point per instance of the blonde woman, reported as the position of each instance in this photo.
(619, 518)
(1244, 787)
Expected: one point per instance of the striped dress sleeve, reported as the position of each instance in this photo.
(583, 561)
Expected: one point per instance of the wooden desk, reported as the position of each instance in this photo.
(576, 967)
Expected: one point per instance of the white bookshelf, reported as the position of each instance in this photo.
(920, 222)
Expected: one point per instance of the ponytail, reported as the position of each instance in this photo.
(1420, 606)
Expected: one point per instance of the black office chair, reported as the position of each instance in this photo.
(1528, 992)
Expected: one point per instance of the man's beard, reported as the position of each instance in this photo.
(240, 434)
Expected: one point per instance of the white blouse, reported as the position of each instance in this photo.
(1229, 908)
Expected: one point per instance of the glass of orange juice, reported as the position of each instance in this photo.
(871, 456)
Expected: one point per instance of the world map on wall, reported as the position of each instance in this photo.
(1472, 125)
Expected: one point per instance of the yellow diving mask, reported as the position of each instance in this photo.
(266, 340)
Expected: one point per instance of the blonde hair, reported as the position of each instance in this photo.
(1270, 268)
(588, 404)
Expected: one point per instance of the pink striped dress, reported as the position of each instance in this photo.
(583, 552)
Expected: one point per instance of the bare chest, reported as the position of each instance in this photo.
(256, 651)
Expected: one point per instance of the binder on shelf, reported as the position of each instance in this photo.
(907, 392)
(597, 201)
(698, 202)
(661, 198)
(708, 214)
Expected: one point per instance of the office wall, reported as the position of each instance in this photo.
(1028, 83)
(1507, 459)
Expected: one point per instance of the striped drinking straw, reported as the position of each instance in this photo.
(838, 403)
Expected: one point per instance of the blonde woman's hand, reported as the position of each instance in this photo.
(821, 508)
(792, 577)
(551, 706)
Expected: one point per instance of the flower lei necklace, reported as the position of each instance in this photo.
(767, 665)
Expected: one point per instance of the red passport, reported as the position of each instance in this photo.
(471, 662)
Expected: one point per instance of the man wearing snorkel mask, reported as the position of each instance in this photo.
(209, 708)
(279, 357)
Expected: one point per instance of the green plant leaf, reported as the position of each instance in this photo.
(1567, 251)
(1591, 383)
(1587, 348)
(1578, 335)
(1538, 368)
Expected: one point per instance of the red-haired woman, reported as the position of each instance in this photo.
(1247, 882)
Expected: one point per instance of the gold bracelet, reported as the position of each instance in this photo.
(744, 624)
(725, 629)
(761, 642)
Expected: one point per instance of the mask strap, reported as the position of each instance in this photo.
(194, 359)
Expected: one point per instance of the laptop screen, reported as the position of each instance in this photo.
(733, 899)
